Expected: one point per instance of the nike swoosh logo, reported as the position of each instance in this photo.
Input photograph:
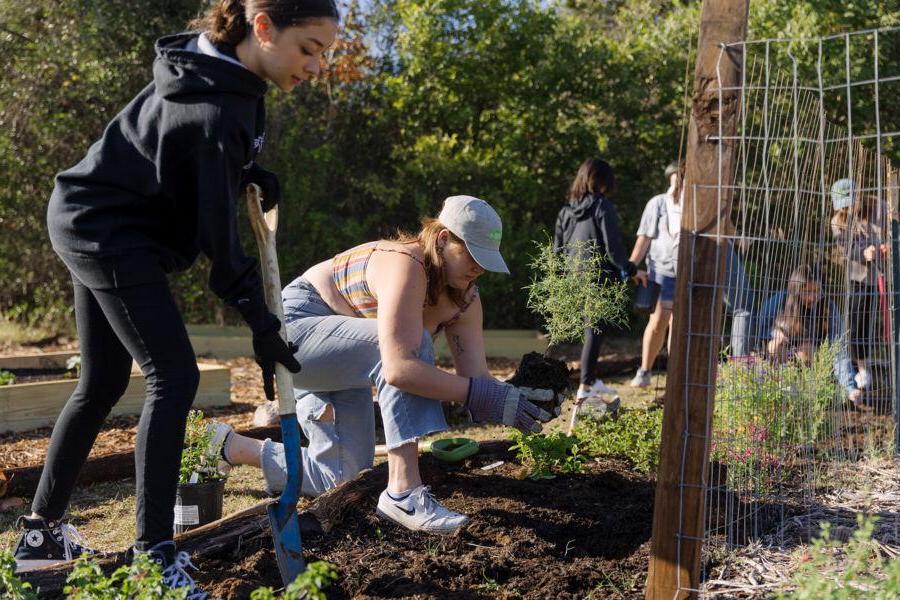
(408, 512)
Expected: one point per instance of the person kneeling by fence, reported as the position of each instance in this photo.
(795, 322)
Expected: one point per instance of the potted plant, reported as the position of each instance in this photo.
(201, 479)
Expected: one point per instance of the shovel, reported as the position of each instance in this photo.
(283, 513)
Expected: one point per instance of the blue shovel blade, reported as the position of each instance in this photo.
(283, 514)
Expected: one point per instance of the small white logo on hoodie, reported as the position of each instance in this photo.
(258, 143)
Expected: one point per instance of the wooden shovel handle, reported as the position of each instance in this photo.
(264, 226)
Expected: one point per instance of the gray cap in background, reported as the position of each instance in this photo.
(842, 193)
(479, 226)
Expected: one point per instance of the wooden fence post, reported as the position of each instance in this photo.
(678, 526)
(893, 201)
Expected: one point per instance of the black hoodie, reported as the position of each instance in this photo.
(595, 222)
(163, 182)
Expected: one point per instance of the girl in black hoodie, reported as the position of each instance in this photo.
(589, 221)
(158, 188)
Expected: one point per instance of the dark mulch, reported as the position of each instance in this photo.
(570, 537)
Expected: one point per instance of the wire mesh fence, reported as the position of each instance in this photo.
(806, 380)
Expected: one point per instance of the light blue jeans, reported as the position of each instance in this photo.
(341, 363)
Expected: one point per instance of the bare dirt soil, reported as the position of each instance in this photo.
(576, 536)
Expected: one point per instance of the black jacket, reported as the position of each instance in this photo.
(595, 222)
(163, 182)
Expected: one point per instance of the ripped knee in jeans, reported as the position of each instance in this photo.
(324, 415)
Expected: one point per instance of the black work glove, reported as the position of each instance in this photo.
(268, 184)
(269, 348)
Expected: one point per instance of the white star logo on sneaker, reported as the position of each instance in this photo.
(34, 538)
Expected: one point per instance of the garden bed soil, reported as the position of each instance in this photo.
(39, 375)
(567, 537)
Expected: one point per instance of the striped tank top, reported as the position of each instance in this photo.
(349, 274)
(348, 271)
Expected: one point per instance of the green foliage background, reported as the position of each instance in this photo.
(498, 98)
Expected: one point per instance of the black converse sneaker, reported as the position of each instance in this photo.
(46, 542)
(174, 574)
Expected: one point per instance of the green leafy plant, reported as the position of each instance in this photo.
(834, 570)
(633, 434)
(565, 292)
(7, 378)
(765, 413)
(200, 457)
(546, 455)
(12, 587)
(141, 580)
(309, 585)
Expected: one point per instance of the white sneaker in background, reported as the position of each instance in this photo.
(419, 511)
(641, 379)
(863, 379)
(598, 388)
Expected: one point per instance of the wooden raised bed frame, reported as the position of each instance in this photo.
(25, 406)
(234, 342)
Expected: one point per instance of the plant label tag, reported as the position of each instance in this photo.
(187, 515)
(493, 465)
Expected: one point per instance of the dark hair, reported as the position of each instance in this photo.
(228, 21)
(796, 319)
(427, 238)
(594, 177)
(859, 214)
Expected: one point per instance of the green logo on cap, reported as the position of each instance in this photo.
(495, 235)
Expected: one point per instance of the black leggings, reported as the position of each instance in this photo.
(115, 325)
(863, 315)
(589, 353)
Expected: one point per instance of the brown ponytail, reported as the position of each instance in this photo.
(228, 21)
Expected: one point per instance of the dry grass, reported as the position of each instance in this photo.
(104, 512)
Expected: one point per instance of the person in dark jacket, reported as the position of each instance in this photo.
(588, 222)
(160, 187)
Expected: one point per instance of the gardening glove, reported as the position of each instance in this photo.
(269, 348)
(505, 404)
(268, 185)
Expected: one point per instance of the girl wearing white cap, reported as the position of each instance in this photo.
(366, 317)
(858, 240)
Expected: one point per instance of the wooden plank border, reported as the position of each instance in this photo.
(25, 406)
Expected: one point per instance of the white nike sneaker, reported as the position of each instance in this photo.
(598, 388)
(419, 511)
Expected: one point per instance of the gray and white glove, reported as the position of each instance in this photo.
(494, 402)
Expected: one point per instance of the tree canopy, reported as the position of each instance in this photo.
(501, 99)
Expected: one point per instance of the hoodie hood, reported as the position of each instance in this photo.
(180, 69)
(585, 207)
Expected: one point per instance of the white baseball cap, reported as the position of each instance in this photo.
(842, 193)
(479, 226)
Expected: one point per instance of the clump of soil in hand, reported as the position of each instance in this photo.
(539, 371)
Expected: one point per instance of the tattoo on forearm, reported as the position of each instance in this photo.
(457, 344)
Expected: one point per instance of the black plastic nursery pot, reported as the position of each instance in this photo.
(197, 504)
